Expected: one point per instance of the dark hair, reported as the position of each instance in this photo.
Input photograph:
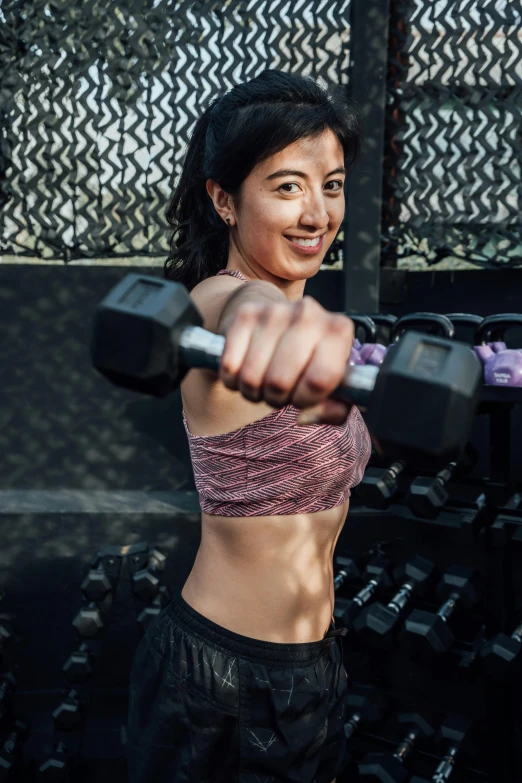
(237, 131)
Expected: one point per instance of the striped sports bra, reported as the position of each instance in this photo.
(273, 466)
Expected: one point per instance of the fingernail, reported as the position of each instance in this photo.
(308, 418)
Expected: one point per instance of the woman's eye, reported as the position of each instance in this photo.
(336, 182)
(289, 185)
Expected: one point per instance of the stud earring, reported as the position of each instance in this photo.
(227, 221)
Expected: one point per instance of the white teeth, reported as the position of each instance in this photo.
(306, 242)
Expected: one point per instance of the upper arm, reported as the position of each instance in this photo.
(210, 297)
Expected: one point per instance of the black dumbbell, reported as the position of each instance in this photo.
(11, 754)
(429, 632)
(96, 585)
(79, 666)
(454, 729)
(88, 622)
(350, 568)
(389, 767)
(366, 705)
(146, 583)
(426, 496)
(379, 573)
(69, 713)
(150, 612)
(147, 334)
(57, 767)
(376, 624)
(384, 323)
(501, 656)
(378, 487)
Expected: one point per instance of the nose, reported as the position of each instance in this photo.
(315, 212)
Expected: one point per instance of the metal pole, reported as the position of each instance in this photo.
(367, 87)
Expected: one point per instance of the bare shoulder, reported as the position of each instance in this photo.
(211, 295)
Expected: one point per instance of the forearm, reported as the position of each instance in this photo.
(254, 291)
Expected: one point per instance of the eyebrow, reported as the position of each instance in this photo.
(292, 173)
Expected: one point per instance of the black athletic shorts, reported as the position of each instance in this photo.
(207, 705)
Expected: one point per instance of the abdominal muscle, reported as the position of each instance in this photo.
(266, 577)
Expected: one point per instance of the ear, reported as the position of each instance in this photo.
(222, 202)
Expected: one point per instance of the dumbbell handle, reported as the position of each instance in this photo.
(400, 599)
(449, 606)
(352, 725)
(339, 579)
(446, 766)
(364, 595)
(200, 348)
(406, 746)
(445, 475)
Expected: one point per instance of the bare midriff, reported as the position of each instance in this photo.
(268, 578)
(265, 577)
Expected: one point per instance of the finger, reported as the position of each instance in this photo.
(294, 351)
(327, 412)
(327, 367)
(237, 341)
(272, 324)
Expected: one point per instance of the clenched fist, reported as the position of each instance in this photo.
(289, 353)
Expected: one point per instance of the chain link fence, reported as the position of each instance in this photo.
(98, 100)
(452, 180)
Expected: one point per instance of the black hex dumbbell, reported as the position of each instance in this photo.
(378, 573)
(79, 666)
(69, 714)
(454, 730)
(150, 612)
(8, 682)
(350, 568)
(376, 624)
(57, 767)
(146, 583)
(88, 622)
(378, 487)
(366, 705)
(429, 632)
(501, 656)
(96, 586)
(426, 496)
(11, 754)
(389, 767)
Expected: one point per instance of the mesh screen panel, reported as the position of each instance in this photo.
(452, 180)
(98, 100)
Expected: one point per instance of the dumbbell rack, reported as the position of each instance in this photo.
(66, 744)
(480, 526)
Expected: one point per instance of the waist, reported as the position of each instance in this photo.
(270, 579)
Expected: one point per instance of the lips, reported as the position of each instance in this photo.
(307, 251)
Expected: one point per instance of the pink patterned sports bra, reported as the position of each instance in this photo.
(273, 466)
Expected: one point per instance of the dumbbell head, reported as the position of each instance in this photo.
(88, 622)
(377, 488)
(376, 625)
(502, 657)
(79, 667)
(352, 566)
(429, 632)
(96, 585)
(134, 338)
(57, 768)
(69, 714)
(466, 582)
(366, 701)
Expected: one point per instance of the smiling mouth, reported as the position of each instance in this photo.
(306, 245)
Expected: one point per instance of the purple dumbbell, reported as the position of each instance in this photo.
(370, 331)
(370, 351)
(505, 367)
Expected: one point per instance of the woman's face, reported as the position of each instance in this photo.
(295, 195)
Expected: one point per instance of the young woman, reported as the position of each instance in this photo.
(241, 678)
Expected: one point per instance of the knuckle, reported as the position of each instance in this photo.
(247, 312)
(307, 309)
(275, 386)
(277, 313)
(340, 324)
